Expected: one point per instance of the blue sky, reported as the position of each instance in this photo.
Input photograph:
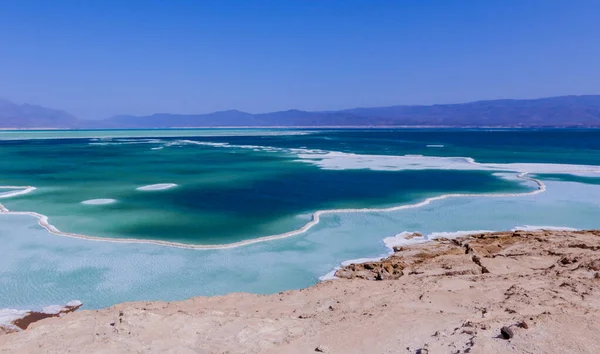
(105, 57)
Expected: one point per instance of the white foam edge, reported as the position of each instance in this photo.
(118, 141)
(330, 275)
(335, 160)
(455, 234)
(401, 240)
(543, 228)
(102, 201)
(157, 187)
(8, 316)
(250, 147)
(19, 190)
(56, 309)
(362, 260)
(53, 309)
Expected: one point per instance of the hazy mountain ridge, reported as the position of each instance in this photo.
(13, 115)
(568, 111)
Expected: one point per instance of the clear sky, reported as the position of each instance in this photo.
(105, 57)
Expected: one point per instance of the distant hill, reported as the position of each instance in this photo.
(31, 116)
(583, 111)
(553, 111)
(564, 111)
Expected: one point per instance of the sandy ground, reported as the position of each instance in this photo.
(447, 296)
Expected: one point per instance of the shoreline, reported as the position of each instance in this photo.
(43, 220)
(510, 291)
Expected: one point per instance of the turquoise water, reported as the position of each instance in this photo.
(241, 185)
(223, 194)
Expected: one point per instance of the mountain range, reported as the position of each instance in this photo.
(31, 116)
(562, 111)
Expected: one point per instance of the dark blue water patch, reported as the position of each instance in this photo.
(242, 212)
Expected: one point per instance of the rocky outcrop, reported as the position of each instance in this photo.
(14, 320)
(389, 269)
(478, 253)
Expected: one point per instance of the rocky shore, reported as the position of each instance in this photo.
(13, 321)
(520, 292)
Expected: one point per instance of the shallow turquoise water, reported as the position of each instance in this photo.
(240, 187)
